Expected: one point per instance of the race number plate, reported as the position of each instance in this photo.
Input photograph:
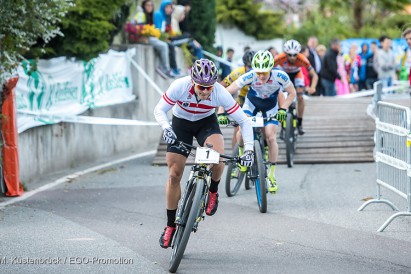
(205, 155)
(256, 121)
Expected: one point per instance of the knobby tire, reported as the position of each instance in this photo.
(232, 185)
(191, 216)
(260, 180)
(289, 140)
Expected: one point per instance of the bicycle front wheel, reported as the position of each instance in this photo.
(234, 176)
(260, 184)
(289, 140)
(190, 214)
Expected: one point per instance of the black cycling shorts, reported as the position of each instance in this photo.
(186, 130)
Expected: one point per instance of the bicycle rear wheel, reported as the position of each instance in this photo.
(259, 177)
(233, 183)
(190, 214)
(289, 140)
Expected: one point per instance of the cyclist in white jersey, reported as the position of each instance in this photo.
(194, 100)
(266, 83)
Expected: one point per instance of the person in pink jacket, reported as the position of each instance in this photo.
(341, 85)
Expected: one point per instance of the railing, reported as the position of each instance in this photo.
(393, 156)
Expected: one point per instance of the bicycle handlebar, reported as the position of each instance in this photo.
(184, 146)
(265, 119)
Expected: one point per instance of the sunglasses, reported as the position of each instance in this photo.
(262, 73)
(200, 87)
(292, 55)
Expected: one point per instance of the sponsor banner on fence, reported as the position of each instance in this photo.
(63, 86)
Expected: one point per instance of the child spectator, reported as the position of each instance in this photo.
(352, 65)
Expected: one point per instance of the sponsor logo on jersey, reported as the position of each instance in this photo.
(247, 77)
(282, 76)
(186, 104)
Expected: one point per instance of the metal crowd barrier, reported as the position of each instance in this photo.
(393, 156)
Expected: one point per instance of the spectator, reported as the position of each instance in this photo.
(365, 52)
(384, 62)
(321, 50)
(352, 65)
(307, 81)
(273, 51)
(217, 62)
(341, 85)
(406, 59)
(315, 60)
(178, 16)
(225, 68)
(185, 23)
(371, 74)
(313, 56)
(329, 68)
(162, 21)
(145, 16)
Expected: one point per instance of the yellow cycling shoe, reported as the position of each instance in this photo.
(242, 168)
(234, 172)
(272, 186)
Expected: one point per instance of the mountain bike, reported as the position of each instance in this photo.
(290, 138)
(193, 202)
(255, 175)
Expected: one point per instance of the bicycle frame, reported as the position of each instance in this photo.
(191, 206)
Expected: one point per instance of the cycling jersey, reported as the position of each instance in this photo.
(281, 60)
(234, 75)
(181, 97)
(264, 96)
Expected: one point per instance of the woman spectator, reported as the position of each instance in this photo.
(144, 16)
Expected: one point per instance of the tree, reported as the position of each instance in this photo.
(89, 28)
(368, 10)
(203, 22)
(22, 23)
(248, 17)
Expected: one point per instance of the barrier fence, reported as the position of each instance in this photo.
(393, 156)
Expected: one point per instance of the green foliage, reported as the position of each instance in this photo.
(362, 12)
(335, 19)
(248, 17)
(89, 28)
(203, 22)
(22, 24)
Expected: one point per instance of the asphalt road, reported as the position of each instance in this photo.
(110, 221)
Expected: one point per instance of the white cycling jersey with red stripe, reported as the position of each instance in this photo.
(181, 97)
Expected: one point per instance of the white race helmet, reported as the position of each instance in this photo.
(292, 47)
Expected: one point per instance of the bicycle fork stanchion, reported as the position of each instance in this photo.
(393, 156)
(192, 205)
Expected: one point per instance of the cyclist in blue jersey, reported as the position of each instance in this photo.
(265, 85)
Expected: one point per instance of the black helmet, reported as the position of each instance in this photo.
(248, 57)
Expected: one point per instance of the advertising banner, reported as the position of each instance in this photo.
(66, 87)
